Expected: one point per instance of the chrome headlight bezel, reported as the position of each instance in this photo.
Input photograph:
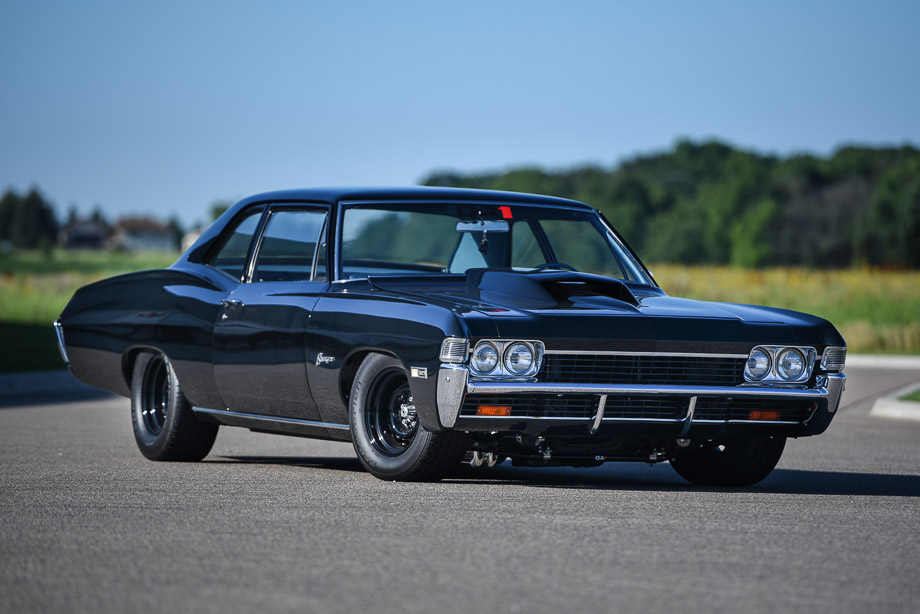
(503, 370)
(749, 374)
(774, 376)
(476, 366)
(790, 374)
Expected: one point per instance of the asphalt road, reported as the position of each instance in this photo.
(275, 524)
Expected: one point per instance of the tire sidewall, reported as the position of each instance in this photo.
(151, 444)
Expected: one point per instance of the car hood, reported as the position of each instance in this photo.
(568, 309)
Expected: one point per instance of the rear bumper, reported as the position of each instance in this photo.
(455, 388)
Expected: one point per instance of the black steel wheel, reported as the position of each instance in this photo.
(740, 461)
(389, 440)
(165, 427)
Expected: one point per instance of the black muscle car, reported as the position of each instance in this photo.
(434, 326)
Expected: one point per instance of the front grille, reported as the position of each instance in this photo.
(648, 407)
(654, 407)
(649, 370)
(721, 408)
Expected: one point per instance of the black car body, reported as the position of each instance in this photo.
(283, 318)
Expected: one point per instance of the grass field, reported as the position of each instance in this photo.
(876, 311)
(913, 396)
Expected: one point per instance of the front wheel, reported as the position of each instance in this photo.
(733, 462)
(165, 428)
(388, 438)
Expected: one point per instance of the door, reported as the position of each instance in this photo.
(259, 336)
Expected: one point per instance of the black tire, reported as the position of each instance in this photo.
(165, 428)
(393, 446)
(733, 462)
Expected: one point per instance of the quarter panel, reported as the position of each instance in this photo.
(170, 310)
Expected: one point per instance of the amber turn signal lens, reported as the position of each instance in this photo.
(493, 410)
(763, 415)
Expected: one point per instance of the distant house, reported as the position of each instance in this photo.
(84, 234)
(143, 234)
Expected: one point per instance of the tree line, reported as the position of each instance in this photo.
(27, 221)
(711, 203)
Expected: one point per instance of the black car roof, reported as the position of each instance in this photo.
(411, 193)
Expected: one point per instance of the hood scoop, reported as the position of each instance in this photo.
(543, 289)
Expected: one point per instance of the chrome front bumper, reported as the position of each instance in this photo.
(59, 332)
(454, 385)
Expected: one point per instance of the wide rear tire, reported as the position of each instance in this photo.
(388, 438)
(732, 462)
(165, 427)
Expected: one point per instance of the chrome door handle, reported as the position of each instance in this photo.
(231, 302)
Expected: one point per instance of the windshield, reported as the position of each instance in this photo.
(380, 239)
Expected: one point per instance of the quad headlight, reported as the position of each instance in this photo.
(780, 364)
(518, 358)
(758, 365)
(484, 359)
(503, 359)
(790, 364)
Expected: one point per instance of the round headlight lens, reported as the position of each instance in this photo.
(757, 366)
(485, 358)
(518, 358)
(790, 364)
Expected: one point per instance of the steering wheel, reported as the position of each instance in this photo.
(556, 265)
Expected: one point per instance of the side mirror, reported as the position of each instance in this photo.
(483, 226)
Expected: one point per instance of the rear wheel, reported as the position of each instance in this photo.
(733, 462)
(388, 438)
(165, 428)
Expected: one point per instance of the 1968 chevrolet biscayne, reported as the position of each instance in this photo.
(433, 326)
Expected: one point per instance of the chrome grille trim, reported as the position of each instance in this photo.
(621, 353)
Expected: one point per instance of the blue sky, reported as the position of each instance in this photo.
(164, 107)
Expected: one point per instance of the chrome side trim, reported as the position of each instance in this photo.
(619, 353)
(689, 391)
(599, 416)
(452, 384)
(59, 332)
(274, 419)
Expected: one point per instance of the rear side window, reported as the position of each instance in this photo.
(231, 257)
(289, 246)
